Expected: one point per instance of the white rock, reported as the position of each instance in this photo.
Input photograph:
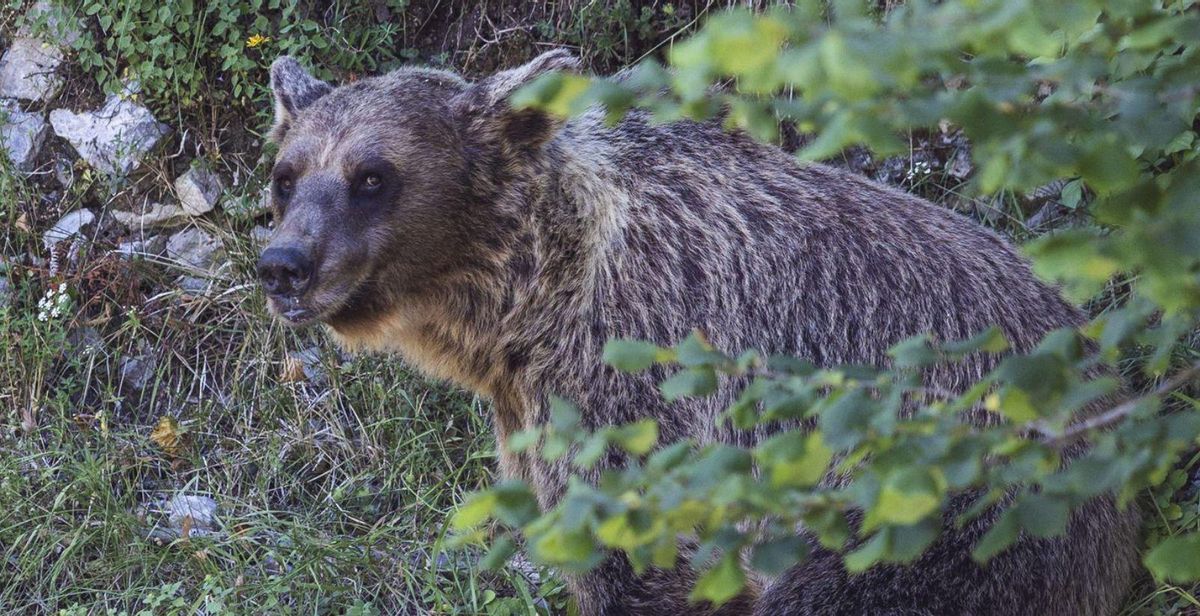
(198, 190)
(112, 139)
(153, 215)
(22, 135)
(28, 70)
(201, 509)
(67, 227)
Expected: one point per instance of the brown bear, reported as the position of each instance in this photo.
(500, 248)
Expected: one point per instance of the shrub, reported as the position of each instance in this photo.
(1100, 94)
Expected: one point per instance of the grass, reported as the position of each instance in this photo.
(333, 491)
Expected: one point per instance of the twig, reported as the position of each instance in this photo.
(1119, 412)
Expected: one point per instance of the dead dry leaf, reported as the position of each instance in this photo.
(168, 435)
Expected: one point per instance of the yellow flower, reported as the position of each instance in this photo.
(256, 40)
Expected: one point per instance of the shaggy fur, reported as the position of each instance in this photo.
(507, 246)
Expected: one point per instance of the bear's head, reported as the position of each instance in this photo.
(382, 188)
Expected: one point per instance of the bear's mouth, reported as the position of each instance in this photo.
(292, 310)
(316, 305)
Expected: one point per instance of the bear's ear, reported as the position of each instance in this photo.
(488, 114)
(294, 89)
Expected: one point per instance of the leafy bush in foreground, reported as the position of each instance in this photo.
(1102, 94)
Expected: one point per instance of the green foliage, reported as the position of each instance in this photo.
(1100, 93)
(187, 54)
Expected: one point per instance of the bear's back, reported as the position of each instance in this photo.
(704, 229)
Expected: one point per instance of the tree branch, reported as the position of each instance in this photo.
(1119, 412)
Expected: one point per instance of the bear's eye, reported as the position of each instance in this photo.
(284, 184)
(370, 182)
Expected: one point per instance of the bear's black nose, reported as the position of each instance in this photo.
(284, 271)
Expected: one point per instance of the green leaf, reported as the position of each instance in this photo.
(556, 92)
(776, 556)
(721, 583)
(1001, 535)
(914, 352)
(638, 438)
(563, 547)
(795, 459)
(564, 416)
(693, 382)
(478, 508)
(1043, 515)
(695, 351)
(871, 552)
(515, 504)
(498, 554)
(634, 355)
(990, 340)
(907, 496)
(1176, 558)
(1072, 194)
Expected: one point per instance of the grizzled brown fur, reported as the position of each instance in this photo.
(500, 249)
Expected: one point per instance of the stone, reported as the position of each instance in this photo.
(112, 139)
(136, 372)
(22, 135)
(28, 70)
(194, 249)
(201, 509)
(198, 190)
(5, 292)
(152, 215)
(152, 246)
(200, 255)
(67, 227)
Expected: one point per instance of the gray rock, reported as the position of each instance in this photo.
(67, 227)
(28, 70)
(152, 215)
(5, 292)
(22, 135)
(200, 255)
(194, 249)
(198, 190)
(112, 139)
(136, 372)
(152, 246)
(201, 509)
